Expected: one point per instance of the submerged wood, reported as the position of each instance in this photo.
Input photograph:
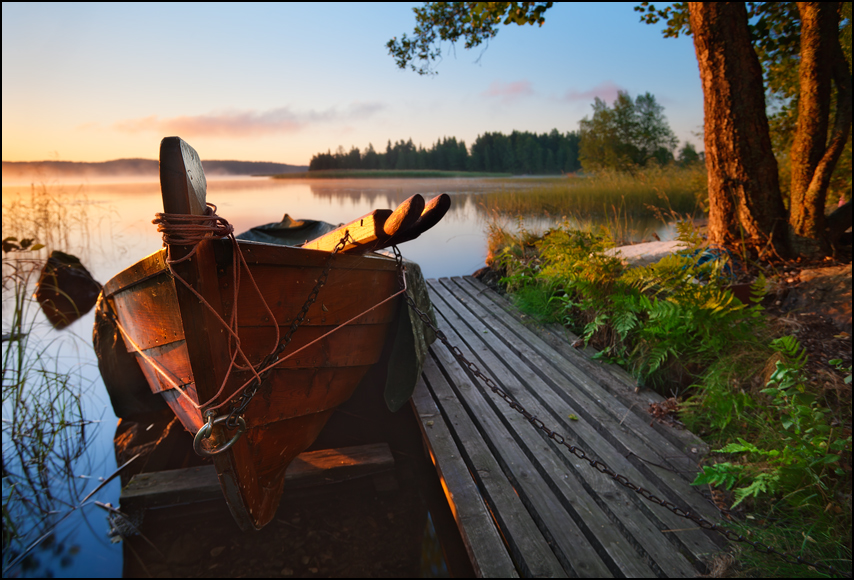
(179, 343)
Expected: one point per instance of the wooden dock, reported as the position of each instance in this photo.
(524, 505)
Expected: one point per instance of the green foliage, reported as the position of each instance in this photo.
(11, 244)
(627, 136)
(476, 22)
(671, 332)
(800, 462)
(838, 365)
(688, 155)
(658, 321)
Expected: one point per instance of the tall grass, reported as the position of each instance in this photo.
(45, 430)
(644, 194)
(60, 220)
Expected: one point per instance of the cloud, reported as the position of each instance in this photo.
(508, 92)
(607, 91)
(250, 123)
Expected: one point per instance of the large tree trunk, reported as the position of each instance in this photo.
(813, 158)
(744, 192)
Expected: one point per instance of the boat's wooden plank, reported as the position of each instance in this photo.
(590, 394)
(292, 393)
(194, 484)
(641, 521)
(171, 360)
(351, 345)
(628, 539)
(152, 265)
(285, 290)
(149, 311)
(529, 549)
(482, 541)
(612, 378)
(275, 255)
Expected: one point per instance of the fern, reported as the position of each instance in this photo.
(721, 474)
(624, 322)
(789, 347)
(764, 483)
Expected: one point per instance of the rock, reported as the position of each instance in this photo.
(647, 253)
(66, 290)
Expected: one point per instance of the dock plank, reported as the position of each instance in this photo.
(601, 524)
(610, 378)
(615, 445)
(593, 525)
(481, 538)
(631, 436)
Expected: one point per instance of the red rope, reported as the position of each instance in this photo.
(189, 230)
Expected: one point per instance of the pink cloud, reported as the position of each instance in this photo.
(245, 123)
(509, 91)
(607, 91)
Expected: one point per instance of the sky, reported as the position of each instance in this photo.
(281, 82)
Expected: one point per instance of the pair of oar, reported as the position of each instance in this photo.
(383, 227)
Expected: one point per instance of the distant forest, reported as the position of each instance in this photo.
(518, 153)
(136, 168)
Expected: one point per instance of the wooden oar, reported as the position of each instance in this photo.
(434, 210)
(372, 230)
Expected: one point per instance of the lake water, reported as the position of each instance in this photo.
(108, 226)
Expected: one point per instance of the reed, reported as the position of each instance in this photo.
(44, 426)
(643, 194)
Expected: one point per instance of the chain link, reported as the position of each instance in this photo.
(245, 397)
(578, 452)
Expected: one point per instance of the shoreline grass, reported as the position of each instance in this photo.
(648, 193)
(383, 174)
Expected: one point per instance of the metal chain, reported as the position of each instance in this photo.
(245, 397)
(581, 454)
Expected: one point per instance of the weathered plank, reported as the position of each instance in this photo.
(597, 433)
(585, 539)
(626, 431)
(611, 378)
(593, 525)
(194, 484)
(529, 549)
(481, 538)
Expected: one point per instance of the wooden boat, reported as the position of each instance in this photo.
(177, 333)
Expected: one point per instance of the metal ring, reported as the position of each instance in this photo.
(205, 432)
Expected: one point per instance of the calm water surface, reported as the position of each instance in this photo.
(109, 228)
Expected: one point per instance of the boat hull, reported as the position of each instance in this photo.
(181, 347)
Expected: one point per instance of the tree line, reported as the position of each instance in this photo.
(520, 152)
(629, 135)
